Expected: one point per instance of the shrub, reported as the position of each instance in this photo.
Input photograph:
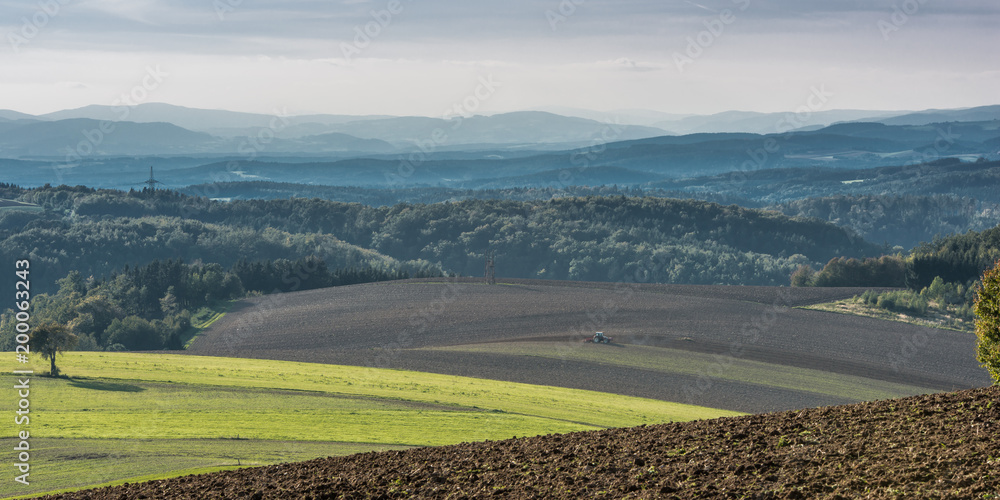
(803, 276)
(988, 322)
(903, 302)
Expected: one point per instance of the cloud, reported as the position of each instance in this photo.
(629, 64)
(700, 6)
(620, 50)
(141, 11)
(73, 85)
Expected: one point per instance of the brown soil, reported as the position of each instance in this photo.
(931, 446)
(383, 324)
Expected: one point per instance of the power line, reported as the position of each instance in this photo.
(491, 272)
(152, 182)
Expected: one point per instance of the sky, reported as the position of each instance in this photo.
(429, 58)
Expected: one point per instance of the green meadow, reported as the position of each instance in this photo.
(127, 416)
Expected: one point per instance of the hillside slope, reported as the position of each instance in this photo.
(933, 446)
(738, 348)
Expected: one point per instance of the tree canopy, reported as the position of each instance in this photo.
(988, 322)
(50, 338)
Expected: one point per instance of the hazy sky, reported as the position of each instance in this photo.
(422, 57)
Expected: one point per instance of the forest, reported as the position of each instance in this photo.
(129, 269)
(903, 221)
(152, 307)
(958, 259)
(941, 277)
(893, 206)
(579, 238)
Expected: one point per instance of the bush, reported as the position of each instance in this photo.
(135, 333)
(803, 276)
(906, 302)
(870, 297)
(988, 322)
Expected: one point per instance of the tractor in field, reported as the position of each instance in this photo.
(598, 338)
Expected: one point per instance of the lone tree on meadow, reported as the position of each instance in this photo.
(988, 322)
(50, 338)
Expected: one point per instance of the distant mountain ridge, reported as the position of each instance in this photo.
(779, 122)
(88, 137)
(309, 133)
(203, 120)
(845, 146)
(529, 148)
(977, 114)
(232, 132)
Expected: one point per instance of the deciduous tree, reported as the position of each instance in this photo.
(50, 338)
(988, 322)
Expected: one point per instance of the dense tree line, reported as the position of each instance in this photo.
(958, 259)
(884, 271)
(591, 238)
(382, 197)
(581, 238)
(97, 245)
(150, 307)
(947, 176)
(309, 273)
(905, 221)
(942, 275)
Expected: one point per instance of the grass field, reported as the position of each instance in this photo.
(934, 319)
(677, 361)
(202, 319)
(67, 464)
(127, 415)
(19, 205)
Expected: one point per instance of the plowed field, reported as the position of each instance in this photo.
(739, 348)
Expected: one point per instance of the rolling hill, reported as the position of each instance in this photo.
(406, 133)
(738, 348)
(941, 177)
(81, 137)
(980, 113)
(935, 446)
(122, 417)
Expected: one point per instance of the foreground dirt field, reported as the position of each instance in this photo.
(930, 446)
(396, 325)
